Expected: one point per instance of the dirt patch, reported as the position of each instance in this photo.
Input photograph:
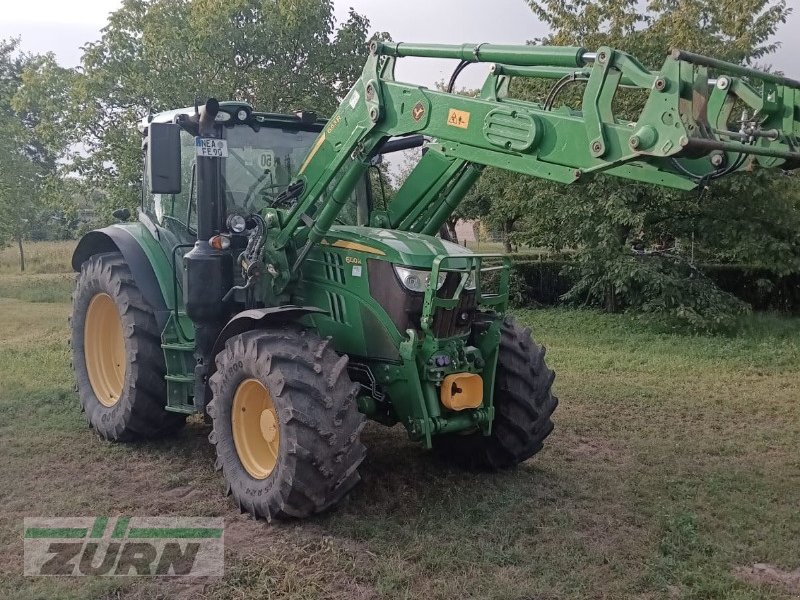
(246, 537)
(766, 574)
(293, 558)
(593, 448)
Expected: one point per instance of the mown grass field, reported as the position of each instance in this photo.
(673, 472)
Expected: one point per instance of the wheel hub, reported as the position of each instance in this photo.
(104, 349)
(256, 429)
(269, 428)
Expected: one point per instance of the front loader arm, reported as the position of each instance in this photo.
(686, 132)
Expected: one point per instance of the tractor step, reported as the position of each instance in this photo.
(187, 409)
(180, 362)
(180, 378)
(178, 347)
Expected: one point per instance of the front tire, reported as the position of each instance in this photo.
(286, 424)
(523, 403)
(116, 354)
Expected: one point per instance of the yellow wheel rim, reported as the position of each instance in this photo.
(104, 349)
(256, 428)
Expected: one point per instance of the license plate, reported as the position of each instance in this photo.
(211, 147)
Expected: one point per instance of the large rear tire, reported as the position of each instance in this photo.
(286, 424)
(116, 354)
(523, 402)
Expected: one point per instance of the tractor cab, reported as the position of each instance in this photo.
(260, 155)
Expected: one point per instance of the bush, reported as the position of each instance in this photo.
(707, 296)
(538, 283)
(759, 287)
(659, 287)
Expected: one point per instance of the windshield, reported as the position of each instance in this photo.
(259, 167)
(261, 164)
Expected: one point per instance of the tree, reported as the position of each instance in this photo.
(153, 55)
(26, 163)
(633, 242)
(501, 200)
(19, 183)
(738, 31)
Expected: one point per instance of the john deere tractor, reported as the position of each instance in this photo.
(264, 285)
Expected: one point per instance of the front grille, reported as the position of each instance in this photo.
(447, 323)
(405, 308)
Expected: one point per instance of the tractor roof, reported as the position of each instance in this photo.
(229, 111)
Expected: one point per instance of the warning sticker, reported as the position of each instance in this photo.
(354, 99)
(418, 111)
(458, 118)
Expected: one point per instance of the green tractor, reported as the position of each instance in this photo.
(264, 286)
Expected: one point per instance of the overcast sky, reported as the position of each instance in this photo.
(63, 27)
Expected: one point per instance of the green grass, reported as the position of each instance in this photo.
(521, 252)
(499, 248)
(40, 257)
(55, 287)
(673, 468)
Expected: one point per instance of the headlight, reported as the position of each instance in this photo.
(416, 280)
(236, 223)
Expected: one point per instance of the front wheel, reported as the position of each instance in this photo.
(286, 424)
(523, 403)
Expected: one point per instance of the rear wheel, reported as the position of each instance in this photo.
(116, 353)
(523, 402)
(286, 425)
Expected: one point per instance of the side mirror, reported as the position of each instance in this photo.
(164, 158)
(121, 214)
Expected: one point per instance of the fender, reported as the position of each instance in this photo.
(143, 261)
(247, 320)
(256, 318)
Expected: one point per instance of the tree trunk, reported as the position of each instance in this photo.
(21, 254)
(611, 303)
(610, 300)
(507, 237)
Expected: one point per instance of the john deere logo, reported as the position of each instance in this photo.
(182, 546)
(418, 111)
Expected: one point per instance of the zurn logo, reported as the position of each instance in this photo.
(76, 546)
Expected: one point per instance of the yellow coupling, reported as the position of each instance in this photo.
(462, 390)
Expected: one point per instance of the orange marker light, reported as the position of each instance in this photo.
(220, 242)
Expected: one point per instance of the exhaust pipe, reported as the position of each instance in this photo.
(207, 272)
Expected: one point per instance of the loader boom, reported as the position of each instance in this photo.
(686, 133)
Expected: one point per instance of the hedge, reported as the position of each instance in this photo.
(537, 282)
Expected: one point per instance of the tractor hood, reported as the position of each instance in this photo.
(399, 247)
